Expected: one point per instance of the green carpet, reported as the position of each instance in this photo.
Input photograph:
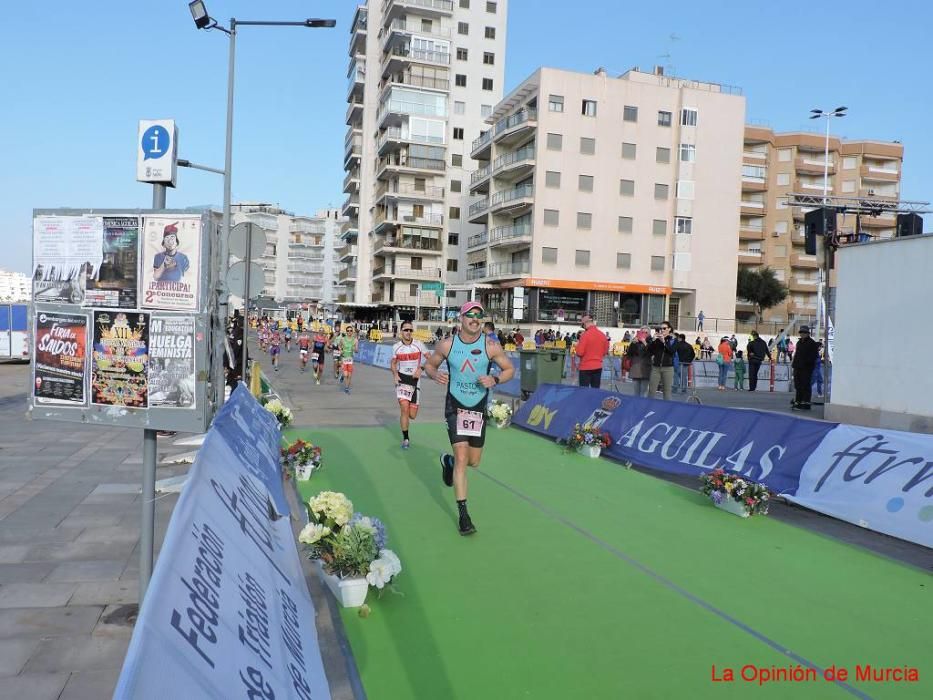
(547, 600)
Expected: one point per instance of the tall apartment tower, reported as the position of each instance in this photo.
(615, 195)
(423, 75)
(771, 234)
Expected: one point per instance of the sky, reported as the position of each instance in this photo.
(77, 76)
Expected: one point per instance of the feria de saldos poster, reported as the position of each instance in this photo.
(59, 371)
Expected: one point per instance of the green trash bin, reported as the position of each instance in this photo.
(545, 366)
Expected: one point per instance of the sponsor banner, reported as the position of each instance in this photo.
(60, 368)
(171, 262)
(66, 250)
(120, 361)
(171, 362)
(114, 284)
(227, 613)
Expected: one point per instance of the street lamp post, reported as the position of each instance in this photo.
(822, 307)
(203, 20)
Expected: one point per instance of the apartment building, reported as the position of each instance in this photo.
(423, 75)
(301, 257)
(15, 286)
(613, 194)
(772, 234)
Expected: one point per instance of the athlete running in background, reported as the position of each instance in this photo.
(348, 345)
(408, 356)
(318, 349)
(335, 347)
(275, 347)
(288, 338)
(469, 355)
(304, 345)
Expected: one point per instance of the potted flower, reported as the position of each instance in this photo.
(732, 493)
(501, 413)
(348, 548)
(301, 459)
(282, 413)
(588, 440)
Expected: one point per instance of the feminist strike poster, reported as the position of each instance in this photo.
(59, 371)
(115, 282)
(171, 362)
(120, 361)
(171, 262)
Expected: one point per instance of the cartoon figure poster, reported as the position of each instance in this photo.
(60, 371)
(171, 262)
(120, 361)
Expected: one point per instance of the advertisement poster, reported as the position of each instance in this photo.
(171, 262)
(120, 363)
(171, 362)
(114, 285)
(61, 354)
(66, 250)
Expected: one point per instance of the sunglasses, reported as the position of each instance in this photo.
(473, 314)
(407, 330)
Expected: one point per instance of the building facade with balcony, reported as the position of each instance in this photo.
(15, 286)
(609, 194)
(422, 76)
(771, 234)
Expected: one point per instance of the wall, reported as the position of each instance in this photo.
(880, 378)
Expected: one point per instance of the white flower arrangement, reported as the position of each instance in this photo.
(313, 532)
(330, 505)
(499, 411)
(282, 413)
(383, 568)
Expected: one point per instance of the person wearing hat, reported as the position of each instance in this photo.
(803, 363)
(169, 265)
(469, 355)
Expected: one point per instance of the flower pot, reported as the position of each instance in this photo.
(730, 505)
(349, 592)
(503, 424)
(303, 471)
(589, 450)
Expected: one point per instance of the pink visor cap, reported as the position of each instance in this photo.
(469, 306)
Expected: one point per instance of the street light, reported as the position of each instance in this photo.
(203, 20)
(817, 114)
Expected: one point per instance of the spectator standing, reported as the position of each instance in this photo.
(662, 361)
(757, 351)
(724, 360)
(639, 358)
(591, 349)
(803, 365)
(686, 354)
(781, 344)
(739, 371)
(700, 318)
(817, 378)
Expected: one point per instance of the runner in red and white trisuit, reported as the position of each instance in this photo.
(408, 356)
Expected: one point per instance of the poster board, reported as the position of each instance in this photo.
(127, 331)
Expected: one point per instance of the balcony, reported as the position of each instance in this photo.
(355, 111)
(356, 79)
(754, 184)
(508, 269)
(401, 298)
(398, 56)
(358, 32)
(514, 201)
(510, 236)
(804, 261)
(421, 8)
(351, 205)
(476, 273)
(877, 222)
(395, 112)
(407, 244)
(408, 273)
(479, 180)
(395, 218)
(435, 83)
(798, 284)
(477, 212)
(886, 196)
(875, 173)
(402, 164)
(396, 191)
(352, 149)
(515, 126)
(346, 252)
(515, 165)
(400, 31)
(752, 208)
(349, 230)
(347, 273)
(477, 240)
(482, 146)
(749, 257)
(351, 183)
(755, 158)
(813, 166)
(751, 233)
(744, 305)
(811, 186)
(394, 138)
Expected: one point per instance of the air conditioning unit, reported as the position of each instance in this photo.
(776, 234)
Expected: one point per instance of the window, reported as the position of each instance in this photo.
(551, 217)
(491, 7)
(657, 263)
(585, 183)
(455, 185)
(627, 188)
(458, 133)
(659, 227)
(625, 224)
(451, 264)
(552, 178)
(453, 239)
(451, 295)
(463, 28)
(462, 54)
(465, 4)
(555, 103)
(780, 251)
(848, 163)
(460, 80)
(487, 83)
(629, 114)
(848, 186)
(623, 261)
(555, 142)
(758, 171)
(783, 179)
(413, 290)
(582, 258)
(490, 32)
(584, 220)
(416, 262)
(587, 146)
(685, 189)
(459, 107)
(455, 212)
(662, 155)
(549, 255)
(420, 183)
(688, 117)
(589, 108)
(660, 191)
(683, 224)
(456, 160)
(628, 151)
(485, 110)
(784, 155)
(489, 58)
(688, 153)
(664, 118)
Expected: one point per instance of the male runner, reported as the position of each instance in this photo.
(304, 344)
(349, 344)
(288, 338)
(275, 347)
(335, 347)
(408, 355)
(317, 355)
(468, 355)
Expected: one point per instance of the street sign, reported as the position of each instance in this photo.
(237, 241)
(432, 286)
(236, 279)
(156, 151)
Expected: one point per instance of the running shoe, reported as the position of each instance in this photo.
(466, 526)
(406, 444)
(317, 381)
(347, 391)
(447, 469)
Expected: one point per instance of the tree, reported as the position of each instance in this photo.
(760, 287)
